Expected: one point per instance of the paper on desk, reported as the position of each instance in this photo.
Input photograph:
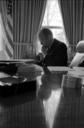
(58, 68)
(77, 72)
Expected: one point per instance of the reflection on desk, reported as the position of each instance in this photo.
(48, 83)
(49, 106)
(62, 106)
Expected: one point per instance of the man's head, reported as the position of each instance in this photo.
(46, 37)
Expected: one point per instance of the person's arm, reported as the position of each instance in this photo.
(57, 57)
(39, 59)
(49, 60)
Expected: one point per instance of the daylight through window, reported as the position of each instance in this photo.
(53, 20)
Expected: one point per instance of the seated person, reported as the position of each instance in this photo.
(78, 60)
(54, 52)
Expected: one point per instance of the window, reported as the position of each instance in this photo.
(53, 20)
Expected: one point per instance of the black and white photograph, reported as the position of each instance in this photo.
(41, 64)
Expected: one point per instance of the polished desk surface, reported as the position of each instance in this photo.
(49, 106)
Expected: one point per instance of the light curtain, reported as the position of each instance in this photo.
(3, 11)
(73, 19)
(27, 19)
(6, 35)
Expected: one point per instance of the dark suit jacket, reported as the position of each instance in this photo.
(56, 55)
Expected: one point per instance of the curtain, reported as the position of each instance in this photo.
(73, 19)
(27, 19)
(3, 11)
(6, 22)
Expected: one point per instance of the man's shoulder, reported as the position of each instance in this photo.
(59, 43)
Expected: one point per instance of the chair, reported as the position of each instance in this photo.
(80, 46)
(78, 59)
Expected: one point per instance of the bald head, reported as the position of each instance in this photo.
(46, 37)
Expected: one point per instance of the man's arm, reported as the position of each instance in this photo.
(57, 57)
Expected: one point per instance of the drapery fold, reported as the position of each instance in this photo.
(27, 19)
(6, 23)
(3, 11)
(73, 19)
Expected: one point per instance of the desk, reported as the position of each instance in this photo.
(49, 106)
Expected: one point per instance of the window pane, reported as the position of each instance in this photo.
(59, 34)
(53, 20)
(52, 15)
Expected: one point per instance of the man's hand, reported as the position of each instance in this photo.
(40, 57)
(44, 50)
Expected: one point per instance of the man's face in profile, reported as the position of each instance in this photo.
(44, 41)
(44, 44)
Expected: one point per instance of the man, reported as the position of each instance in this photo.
(54, 52)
